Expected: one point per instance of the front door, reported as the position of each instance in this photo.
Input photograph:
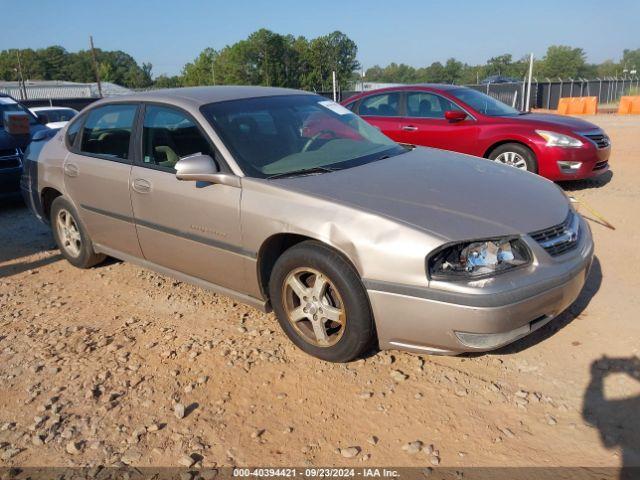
(189, 227)
(96, 176)
(424, 124)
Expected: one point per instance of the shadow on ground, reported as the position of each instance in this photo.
(617, 420)
(22, 235)
(595, 182)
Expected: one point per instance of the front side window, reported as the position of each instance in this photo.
(384, 105)
(428, 105)
(107, 131)
(484, 103)
(168, 135)
(284, 135)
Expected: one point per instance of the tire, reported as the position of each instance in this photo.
(71, 236)
(348, 326)
(512, 153)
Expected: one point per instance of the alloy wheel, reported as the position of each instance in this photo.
(512, 159)
(69, 233)
(314, 307)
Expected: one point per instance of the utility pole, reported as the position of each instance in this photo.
(22, 86)
(95, 65)
(529, 83)
(335, 93)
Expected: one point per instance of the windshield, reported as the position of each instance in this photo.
(483, 103)
(274, 136)
(9, 105)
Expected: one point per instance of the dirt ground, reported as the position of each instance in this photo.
(96, 366)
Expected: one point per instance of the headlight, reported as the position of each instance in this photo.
(555, 139)
(473, 260)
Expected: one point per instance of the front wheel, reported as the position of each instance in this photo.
(320, 303)
(70, 235)
(515, 155)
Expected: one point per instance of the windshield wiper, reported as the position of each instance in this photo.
(303, 171)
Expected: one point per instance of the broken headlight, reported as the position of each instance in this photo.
(471, 260)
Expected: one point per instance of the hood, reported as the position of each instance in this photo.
(572, 123)
(453, 196)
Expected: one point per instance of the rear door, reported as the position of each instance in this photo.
(189, 227)
(424, 124)
(383, 111)
(96, 176)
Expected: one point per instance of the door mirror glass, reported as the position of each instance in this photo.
(196, 167)
(455, 115)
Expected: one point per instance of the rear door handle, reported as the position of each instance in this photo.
(141, 185)
(409, 128)
(71, 170)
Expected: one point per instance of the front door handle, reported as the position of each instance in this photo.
(409, 128)
(141, 185)
(71, 170)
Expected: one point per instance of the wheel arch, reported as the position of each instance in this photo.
(47, 196)
(274, 246)
(499, 143)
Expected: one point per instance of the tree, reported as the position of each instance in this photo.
(563, 61)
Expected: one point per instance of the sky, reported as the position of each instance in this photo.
(170, 33)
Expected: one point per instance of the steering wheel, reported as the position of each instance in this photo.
(316, 137)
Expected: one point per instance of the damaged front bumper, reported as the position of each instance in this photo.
(430, 320)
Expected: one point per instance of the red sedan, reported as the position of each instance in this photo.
(467, 121)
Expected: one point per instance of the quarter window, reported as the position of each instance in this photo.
(428, 105)
(384, 105)
(168, 135)
(107, 131)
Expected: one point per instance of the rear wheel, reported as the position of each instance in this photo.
(72, 239)
(515, 155)
(321, 303)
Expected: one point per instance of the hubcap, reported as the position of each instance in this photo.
(512, 159)
(314, 307)
(69, 233)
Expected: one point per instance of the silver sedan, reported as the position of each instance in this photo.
(288, 201)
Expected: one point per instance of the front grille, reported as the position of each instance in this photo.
(600, 139)
(9, 158)
(560, 238)
(600, 165)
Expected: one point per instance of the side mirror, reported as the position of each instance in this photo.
(202, 168)
(455, 115)
(42, 119)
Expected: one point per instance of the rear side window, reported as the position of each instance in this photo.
(72, 132)
(107, 131)
(384, 105)
(168, 135)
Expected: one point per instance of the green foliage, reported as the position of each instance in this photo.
(268, 58)
(55, 63)
(559, 61)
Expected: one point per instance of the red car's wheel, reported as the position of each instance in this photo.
(515, 155)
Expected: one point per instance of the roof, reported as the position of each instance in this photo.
(197, 96)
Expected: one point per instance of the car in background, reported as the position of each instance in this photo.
(13, 145)
(54, 117)
(288, 201)
(464, 120)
